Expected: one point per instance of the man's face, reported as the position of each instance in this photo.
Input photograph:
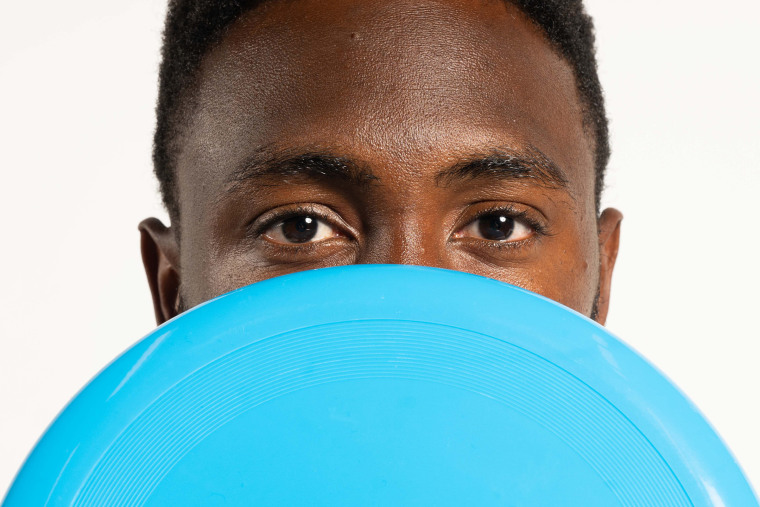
(436, 133)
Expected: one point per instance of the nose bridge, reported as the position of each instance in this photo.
(408, 236)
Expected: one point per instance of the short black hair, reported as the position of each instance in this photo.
(193, 27)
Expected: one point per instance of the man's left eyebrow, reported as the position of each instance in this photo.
(507, 163)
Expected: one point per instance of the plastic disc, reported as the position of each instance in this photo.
(380, 385)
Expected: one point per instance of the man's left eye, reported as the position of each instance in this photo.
(300, 229)
(496, 227)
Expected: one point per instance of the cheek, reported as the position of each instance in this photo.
(209, 269)
(571, 276)
(565, 271)
(570, 280)
(210, 274)
(227, 269)
(226, 273)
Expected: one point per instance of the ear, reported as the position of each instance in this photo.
(160, 255)
(609, 241)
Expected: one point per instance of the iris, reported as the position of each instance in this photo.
(300, 229)
(496, 227)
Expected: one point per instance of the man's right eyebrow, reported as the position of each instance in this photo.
(268, 169)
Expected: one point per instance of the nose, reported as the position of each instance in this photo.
(412, 242)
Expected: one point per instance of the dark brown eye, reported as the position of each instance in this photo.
(300, 229)
(496, 227)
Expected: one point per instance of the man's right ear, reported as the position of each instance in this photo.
(160, 255)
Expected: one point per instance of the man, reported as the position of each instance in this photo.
(461, 134)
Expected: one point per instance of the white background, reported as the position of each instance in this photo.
(77, 89)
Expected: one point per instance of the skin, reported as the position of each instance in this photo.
(401, 129)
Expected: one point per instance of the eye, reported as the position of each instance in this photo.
(497, 226)
(300, 229)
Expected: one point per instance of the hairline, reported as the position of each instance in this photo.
(187, 104)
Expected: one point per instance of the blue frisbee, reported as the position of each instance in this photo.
(380, 385)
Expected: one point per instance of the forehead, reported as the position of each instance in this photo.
(404, 85)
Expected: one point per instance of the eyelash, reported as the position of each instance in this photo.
(538, 228)
(278, 217)
(515, 214)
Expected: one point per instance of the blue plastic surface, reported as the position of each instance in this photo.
(380, 385)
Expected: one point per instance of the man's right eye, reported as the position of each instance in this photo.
(300, 229)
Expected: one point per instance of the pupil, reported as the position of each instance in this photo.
(299, 229)
(496, 227)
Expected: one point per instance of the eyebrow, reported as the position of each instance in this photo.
(507, 164)
(271, 168)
